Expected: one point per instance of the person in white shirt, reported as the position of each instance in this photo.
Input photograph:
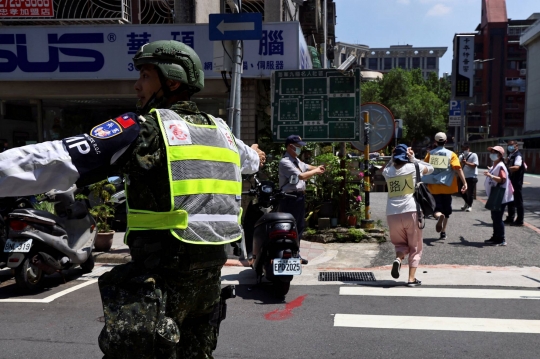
(469, 163)
(401, 210)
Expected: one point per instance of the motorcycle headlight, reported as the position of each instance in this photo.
(266, 189)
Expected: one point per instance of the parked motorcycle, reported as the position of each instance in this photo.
(271, 237)
(7, 205)
(41, 243)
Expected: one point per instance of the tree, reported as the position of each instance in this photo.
(422, 104)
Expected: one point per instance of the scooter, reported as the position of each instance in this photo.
(43, 243)
(7, 205)
(271, 237)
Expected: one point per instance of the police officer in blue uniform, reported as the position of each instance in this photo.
(290, 164)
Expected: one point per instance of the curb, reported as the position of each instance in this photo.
(119, 256)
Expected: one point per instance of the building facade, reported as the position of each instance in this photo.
(498, 101)
(383, 60)
(531, 41)
(67, 67)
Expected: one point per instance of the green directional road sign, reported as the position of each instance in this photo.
(319, 105)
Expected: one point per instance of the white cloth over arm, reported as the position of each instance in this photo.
(36, 169)
(249, 158)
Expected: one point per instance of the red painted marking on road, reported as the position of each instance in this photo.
(287, 312)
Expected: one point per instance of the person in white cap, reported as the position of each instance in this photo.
(442, 183)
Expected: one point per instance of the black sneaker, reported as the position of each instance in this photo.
(304, 261)
(443, 235)
(508, 220)
(396, 267)
(439, 225)
(415, 283)
(501, 244)
(491, 241)
(516, 224)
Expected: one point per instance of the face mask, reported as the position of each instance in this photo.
(494, 156)
(511, 148)
(297, 150)
(465, 152)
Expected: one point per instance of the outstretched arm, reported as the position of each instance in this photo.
(59, 164)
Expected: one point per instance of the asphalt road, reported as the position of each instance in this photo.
(467, 231)
(259, 326)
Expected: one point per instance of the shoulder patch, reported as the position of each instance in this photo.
(106, 130)
(125, 120)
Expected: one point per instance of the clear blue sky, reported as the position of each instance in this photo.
(381, 23)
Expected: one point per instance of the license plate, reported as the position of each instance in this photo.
(290, 266)
(14, 246)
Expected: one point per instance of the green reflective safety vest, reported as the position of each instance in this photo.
(205, 183)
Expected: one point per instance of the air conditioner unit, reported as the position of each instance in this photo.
(523, 72)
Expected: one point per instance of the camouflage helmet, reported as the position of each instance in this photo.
(176, 60)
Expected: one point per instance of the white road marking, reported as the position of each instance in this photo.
(441, 293)
(97, 272)
(437, 323)
(51, 297)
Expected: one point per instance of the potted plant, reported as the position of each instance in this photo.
(102, 214)
(355, 211)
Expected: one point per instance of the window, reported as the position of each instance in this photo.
(416, 63)
(402, 62)
(343, 57)
(372, 64)
(387, 63)
(431, 63)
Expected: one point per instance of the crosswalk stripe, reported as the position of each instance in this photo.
(441, 292)
(438, 323)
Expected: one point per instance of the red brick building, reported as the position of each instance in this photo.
(498, 104)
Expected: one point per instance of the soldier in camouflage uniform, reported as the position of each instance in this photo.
(180, 282)
(167, 302)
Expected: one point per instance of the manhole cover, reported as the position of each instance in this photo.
(346, 277)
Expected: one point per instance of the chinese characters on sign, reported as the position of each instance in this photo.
(26, 8)
(465, 66)
(400, 186)
(318, 105)
(440, 162)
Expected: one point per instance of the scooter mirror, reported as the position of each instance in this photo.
(293, 179)
(115, 180)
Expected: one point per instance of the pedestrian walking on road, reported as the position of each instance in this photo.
(469, 163)
(498, 176)
(516, 166)
(401, 210)
(289, 165)
(442, 183)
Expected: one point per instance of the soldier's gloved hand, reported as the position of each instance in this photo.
(262, 155)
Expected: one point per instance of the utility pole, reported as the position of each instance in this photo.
(325, 32)
(235, 99)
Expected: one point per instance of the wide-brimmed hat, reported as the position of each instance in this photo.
(400, 153)
(498, 149)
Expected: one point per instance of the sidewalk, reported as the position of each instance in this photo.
(460, 260)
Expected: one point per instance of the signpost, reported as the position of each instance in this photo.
(382, 126)
(239, 26)
(454, 118)
(235, 27)
(320, 105)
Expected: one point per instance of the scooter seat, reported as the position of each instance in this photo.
(40, 213)
(274, 217)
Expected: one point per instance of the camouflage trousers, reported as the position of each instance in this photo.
(159, 313)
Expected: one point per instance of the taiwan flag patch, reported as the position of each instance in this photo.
(106, 130)
(125, 121)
